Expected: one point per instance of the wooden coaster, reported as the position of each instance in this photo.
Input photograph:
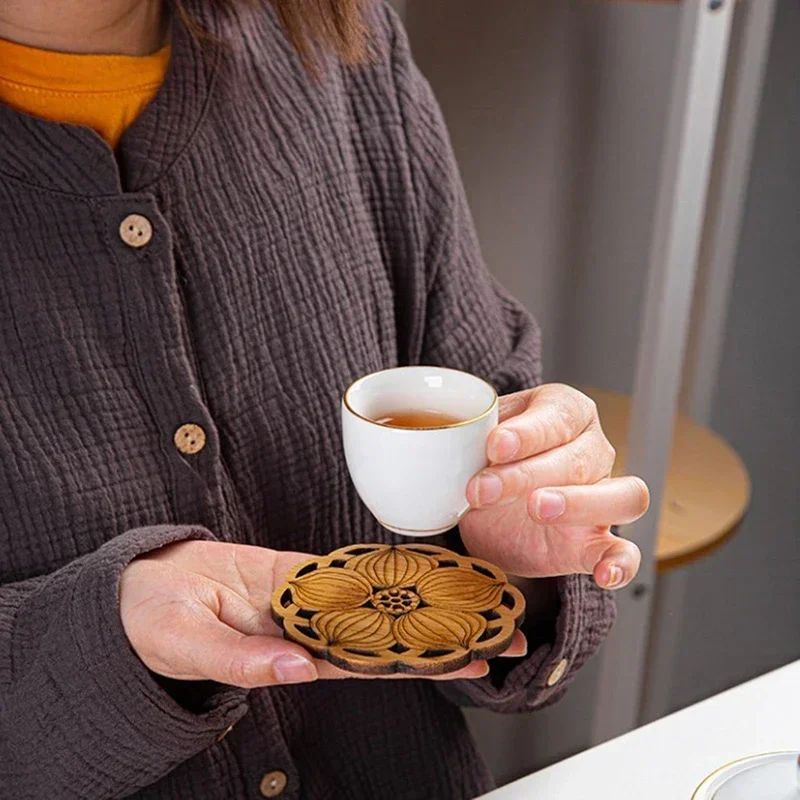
(381, 609)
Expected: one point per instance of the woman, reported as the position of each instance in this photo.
(213, 219)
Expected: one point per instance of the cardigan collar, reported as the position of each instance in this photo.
(74, 159)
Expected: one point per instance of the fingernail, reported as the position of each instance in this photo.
(550, 505)
(615, 577)
(521, 654)
(505, 446)
(489, 489)
(294, 669)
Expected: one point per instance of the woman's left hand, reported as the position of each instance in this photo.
(545, 504)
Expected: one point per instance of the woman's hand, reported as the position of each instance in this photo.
(201, 611)
(545, 504)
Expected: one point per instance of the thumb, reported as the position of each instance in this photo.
(614, 563)
(208, 649)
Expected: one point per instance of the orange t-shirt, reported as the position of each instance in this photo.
(103, 92)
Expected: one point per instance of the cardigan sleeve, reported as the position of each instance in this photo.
(80, 714)
(472, 323)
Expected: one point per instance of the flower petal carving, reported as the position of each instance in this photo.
(438, 629)
(330, 589)
(460, 588)
(392, 567)
(359, 627)
(383, 609)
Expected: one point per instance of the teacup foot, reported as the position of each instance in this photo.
(418, 533)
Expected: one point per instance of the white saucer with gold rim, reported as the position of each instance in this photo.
(769, 776)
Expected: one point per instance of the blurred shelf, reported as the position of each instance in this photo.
(707, 489)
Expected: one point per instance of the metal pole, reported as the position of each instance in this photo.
(689, 144)
(741, 101)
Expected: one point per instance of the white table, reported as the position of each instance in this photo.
(668, 759)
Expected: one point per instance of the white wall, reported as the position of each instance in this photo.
(506, 83)
(557, 110)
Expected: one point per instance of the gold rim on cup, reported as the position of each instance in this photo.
(459, 424)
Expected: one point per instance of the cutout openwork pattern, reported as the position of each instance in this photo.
(382, 609)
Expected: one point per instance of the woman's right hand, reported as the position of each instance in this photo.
(200, 610)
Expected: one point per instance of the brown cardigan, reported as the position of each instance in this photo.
(304, 233)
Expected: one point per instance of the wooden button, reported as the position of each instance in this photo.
(273, 783)
(225, 733)
(558, 672)
(136, 230)
(190, 439)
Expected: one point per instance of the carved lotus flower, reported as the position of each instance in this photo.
(409, 608)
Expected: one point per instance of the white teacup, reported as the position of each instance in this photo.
(414, 480)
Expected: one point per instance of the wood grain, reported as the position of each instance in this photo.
(381, 609)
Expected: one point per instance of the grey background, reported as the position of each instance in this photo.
(556, 111)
